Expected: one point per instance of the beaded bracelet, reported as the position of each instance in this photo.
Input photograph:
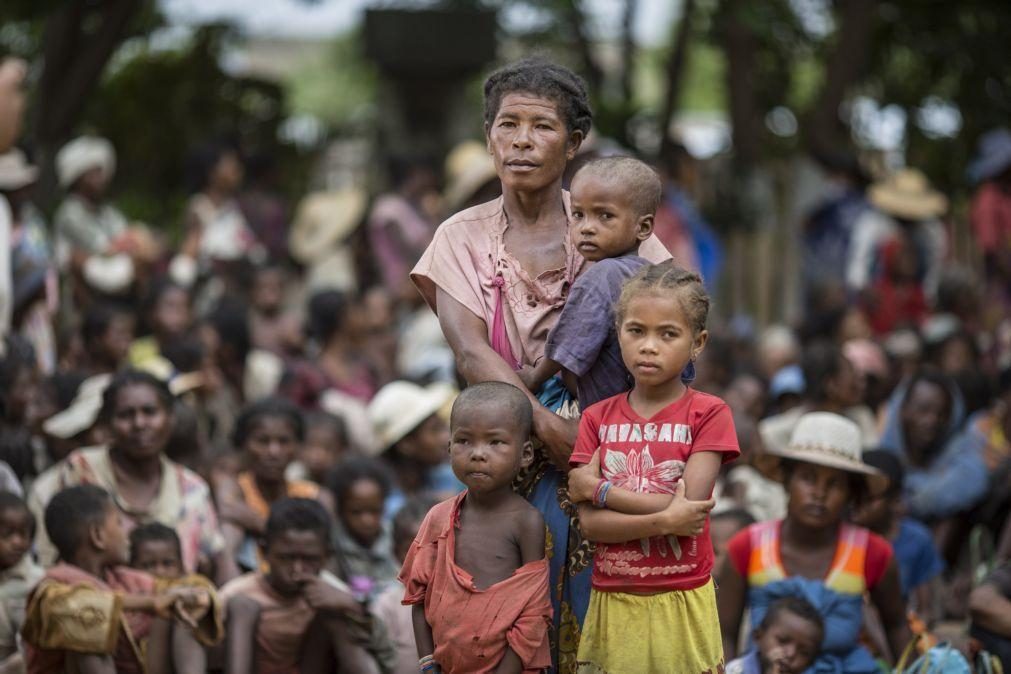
(603, 495)
(596, 493)
(427, 663)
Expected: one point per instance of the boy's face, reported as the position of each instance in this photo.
(925, 416)
(159, 558)
(321, 450)
(605, 224)
(294, 557)
(271, 445)
(791, 642)
(876, 512)
(113, 537)
(486, 450)
(361, 511)
(15, 536)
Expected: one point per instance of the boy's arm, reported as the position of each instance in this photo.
(532, 535)
(240, 635)
(422, 632)
(159, 654)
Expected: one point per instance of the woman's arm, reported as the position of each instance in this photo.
(467, 335)
(730, 605)
(888, 600)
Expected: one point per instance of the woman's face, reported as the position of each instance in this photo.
(140, 423)
(530, 142)
(271, 446)
(818, 495)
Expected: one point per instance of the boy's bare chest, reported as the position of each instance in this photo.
(490, 553)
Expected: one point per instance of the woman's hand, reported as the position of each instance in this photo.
(583, 481)
(557, 434)
(683, 517)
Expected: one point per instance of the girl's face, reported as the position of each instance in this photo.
(172, 315)
(140, 423)
(818, 495)
(656, 339)
(530, 142)
(271, 446)
(361, 511)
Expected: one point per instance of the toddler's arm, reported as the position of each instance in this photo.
(533, 377)
(423, 632)
(531, 536)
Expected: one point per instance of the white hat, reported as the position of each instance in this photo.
(401, 406)
(323, 220)
(907, 194)
(824, 439)
(82, 413)
(468, 167)
(15, 171)
(81, 155)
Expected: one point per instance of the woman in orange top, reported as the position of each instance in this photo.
(269, 433)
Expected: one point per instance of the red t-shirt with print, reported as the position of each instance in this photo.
(649, 456)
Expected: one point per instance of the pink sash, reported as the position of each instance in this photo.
(499, 336)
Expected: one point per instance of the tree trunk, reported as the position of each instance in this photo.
(594, 74)
(628, 51)
(74, 59)
(740, 47)
(826, 131)
(674, 70)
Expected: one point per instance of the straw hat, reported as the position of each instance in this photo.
(81, 155)
(908, 194)
(824, 439)
(15, 171)
(323, 221)
(400, 407)
(82, 413)
(468, 167)
(993, 156)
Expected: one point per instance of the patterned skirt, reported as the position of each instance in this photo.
(675, 632)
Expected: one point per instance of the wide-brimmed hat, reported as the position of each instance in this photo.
(468, 167)
(82, 413)
(993, 156)
(908, 194)
(322, 221)
(400, 407)
(15, 171)
(81, 155)
(824, 439)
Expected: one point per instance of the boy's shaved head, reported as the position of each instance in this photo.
(505, 397)
(635, 178)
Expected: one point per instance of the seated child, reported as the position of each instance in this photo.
(387, 605)
(18, 575)
(476, 574)
(915, 553)
(326, 442)
(360, 486)
(614, 201)
(412, 437)
(271, 327)
(787, 641)
(155, 549)
(91, 613)
(276, 610)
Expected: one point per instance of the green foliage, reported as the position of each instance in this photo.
(336, 86)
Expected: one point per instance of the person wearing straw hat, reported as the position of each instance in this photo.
(412, 439)
(813, 552)
(905, 204)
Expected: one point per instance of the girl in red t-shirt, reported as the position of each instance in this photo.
(639, 457)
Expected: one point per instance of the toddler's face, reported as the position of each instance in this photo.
(15, 536)
(486, 450)
(159, 558)
(361, 511)
(791, 642)
(604, 222)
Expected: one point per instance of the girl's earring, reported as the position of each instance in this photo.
(688, 374)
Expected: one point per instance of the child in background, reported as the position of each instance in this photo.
(638, 458)
(107, 332)
(155, 549)
(476, 574)
(168, 316)
(614, 201)
(269, 433)
(292, 614)
(722, 527)
(915, 553)
(18, 575)
(326, 442)
(360, 486)
(786, 642)
(271, 327)
(90, 613)
(412, 438)
(387, 605)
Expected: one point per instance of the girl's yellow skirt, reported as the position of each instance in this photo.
(675, 632)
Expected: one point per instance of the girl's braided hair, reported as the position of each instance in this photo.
(668, 279)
